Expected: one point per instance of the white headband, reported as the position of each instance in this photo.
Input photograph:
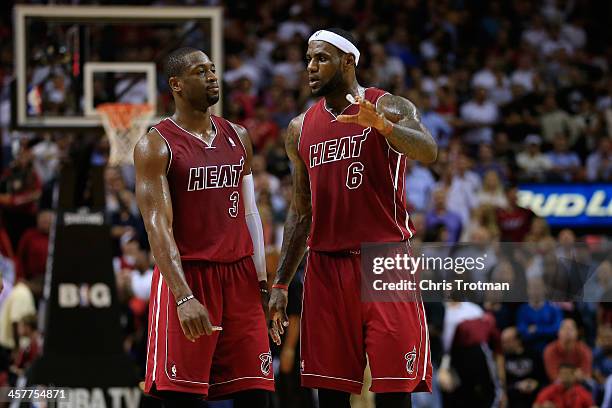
(336, 40)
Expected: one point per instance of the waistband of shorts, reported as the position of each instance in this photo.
(352, 252)
(191, 261)
(339, 254)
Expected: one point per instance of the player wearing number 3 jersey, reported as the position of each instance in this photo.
(207, 329)
(349, 152)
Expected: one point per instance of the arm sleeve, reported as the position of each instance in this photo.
(255, 228)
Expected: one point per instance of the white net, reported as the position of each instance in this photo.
(124, 124)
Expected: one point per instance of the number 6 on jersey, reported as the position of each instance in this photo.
(354, 175)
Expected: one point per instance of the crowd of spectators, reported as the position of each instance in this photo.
(512, 91)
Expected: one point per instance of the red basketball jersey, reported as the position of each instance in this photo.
(205, 186)
(356, 181)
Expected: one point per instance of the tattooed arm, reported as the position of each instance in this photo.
(296, 231)
(398, 120)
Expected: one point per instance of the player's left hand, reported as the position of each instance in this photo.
(367, 116)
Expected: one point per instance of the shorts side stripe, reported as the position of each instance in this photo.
(166, 362)
(157, 297)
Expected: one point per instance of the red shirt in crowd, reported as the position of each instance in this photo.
(574, 397)
(32, 254)
(579, 356)
(261, 132)
(514, 223)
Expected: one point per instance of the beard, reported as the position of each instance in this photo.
(330, 85)
(203, 102)
(212, 99)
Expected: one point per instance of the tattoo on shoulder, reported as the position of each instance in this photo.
(293, 130)
(398, 108)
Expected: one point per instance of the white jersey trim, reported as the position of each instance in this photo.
(394, 191)
(169, 148)
(302, 128)
(210, 146)
(242, 378)
(333, 378)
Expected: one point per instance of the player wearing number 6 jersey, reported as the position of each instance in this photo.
(349, 152)
(207, 328)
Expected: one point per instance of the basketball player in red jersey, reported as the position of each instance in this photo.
(207, 328)
(349, 154)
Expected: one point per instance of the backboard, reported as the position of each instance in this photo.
(68, 59)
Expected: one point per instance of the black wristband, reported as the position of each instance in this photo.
(183, 300)
(263, 290)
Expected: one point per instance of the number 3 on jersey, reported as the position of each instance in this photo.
(234, 198)
(354, 175)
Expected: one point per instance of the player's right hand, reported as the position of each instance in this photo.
(194, 320)
(278, 313)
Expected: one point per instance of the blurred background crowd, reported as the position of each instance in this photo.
(513, 91)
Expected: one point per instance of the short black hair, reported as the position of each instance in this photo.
(343, 33)
(176, 62)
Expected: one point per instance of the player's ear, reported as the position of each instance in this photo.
(175, 84)
(349, 60)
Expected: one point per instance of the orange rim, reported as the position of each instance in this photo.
(122, 115)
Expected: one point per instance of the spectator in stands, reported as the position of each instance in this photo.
(20, 189)
(565, 164)
(538, 320)
(440, 215)
(533, 164)
(244, 97)
(487, 162)
(567, 392)
(482, 217)
(18, 304)
(525, 75)
(514, 221)
(464, 187)
(294, 26)
(291, 68)
(599, 163)
(437, 124)
(385, 68)
(419, 185)
(30, 346)
(525, 374)
(492, 192)
(479, 115)
(262, 130)
(121, 206)
(467, 370)
(32, 252)
(539, 233)
(586, 126)
(554, 120)
(599, 283)
(569, 350)
(602, 360)
(46, 157)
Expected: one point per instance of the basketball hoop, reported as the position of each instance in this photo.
(124, 124)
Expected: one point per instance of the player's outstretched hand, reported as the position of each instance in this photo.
(278, 313)
(367, 116)
(194, 320)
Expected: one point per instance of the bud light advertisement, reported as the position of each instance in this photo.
(576, 205)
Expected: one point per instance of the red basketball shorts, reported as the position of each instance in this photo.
(235, 359)
(339, 329)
